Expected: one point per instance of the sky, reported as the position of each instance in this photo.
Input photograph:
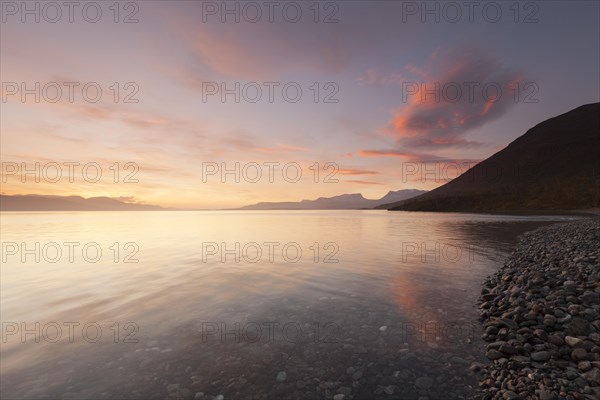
(222, 104)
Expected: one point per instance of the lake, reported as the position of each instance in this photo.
(252, 304)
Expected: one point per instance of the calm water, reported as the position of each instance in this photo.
(370, 304)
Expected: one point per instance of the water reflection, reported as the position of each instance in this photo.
(362, 303)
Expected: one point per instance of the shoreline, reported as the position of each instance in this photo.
(541, 316)
(580, 212)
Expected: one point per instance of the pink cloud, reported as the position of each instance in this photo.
(364, 182)
(451, 100)
(262, 51)
(357, 172)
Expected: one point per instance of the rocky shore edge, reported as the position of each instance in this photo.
(541, 316)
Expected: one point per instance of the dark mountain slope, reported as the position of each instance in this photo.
(554, 165)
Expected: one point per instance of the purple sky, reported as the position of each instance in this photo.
(380, 62)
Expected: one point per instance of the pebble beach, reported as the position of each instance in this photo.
(541, 317)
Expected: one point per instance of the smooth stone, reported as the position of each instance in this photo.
(424, 382)
(584, 366)
(542, 334)
(357, 375)
(549, 320)
(573, 341)
(345, 390)
(493, 354)
(579, 354)
(593, 376)
(475, 367)
(556, 340)
(547, 395)
(508, 349)
(521, 359)
(281, 376)
(577, 327)
(510, 395)
(541, 356)
(509, 323)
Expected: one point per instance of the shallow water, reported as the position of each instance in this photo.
(371, 304)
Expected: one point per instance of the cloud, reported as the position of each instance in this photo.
(262, 51)
(457, 91)
(356, 172)
(364, 182)
(398, 153)
(280, 148)
(374, 77)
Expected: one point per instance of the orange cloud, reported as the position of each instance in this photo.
(388, 153)
(356, 172)
(462, 90)
(364, 182)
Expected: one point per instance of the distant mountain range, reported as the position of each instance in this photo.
(554, 166)
(32, 202)
(354, 201)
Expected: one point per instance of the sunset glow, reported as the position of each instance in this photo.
(204, 91)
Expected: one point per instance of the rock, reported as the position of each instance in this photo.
(573, 341)
(584, 366)
(541, 315)
(541, 356)
(577, 327)
(549, 320)
(508, 349)
(383, 328)
(593, 376)
(556, 340)
(281, 376)
(521, 359)
(579, 354)
(547, 395)
(590, 298)
(357, 375)
(339, 396)
(509, 323)
(493, 354)
(510, 395)
(173, 387)
(475, 367)
(542, 334)
(564, 319)
(424, 382)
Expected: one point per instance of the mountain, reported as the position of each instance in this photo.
(32, 202)
(554, 166)
(343, 202)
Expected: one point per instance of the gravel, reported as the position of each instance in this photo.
(541, 315)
